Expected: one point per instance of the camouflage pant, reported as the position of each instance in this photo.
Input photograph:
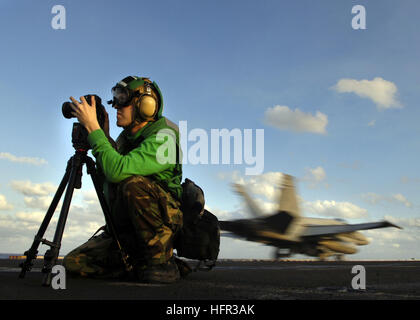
(146, 218)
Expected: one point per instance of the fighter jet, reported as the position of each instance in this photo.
(290, 233)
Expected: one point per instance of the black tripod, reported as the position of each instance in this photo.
(73, 180)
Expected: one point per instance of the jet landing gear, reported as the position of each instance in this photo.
(281, 253)
(337, 257)
(340, 257)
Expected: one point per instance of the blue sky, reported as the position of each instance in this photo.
(224, 64)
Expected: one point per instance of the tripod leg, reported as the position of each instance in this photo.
(92, 172)
(51, 255)
(33, 251)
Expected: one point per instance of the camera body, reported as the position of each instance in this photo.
(79, 133)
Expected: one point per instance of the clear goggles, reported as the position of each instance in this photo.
(121, 97)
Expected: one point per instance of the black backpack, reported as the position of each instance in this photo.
(199, 238)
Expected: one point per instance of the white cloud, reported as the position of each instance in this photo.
(389, 236)
(335, 209)
(283, 118)
(400, 198)
(402, 244)
(4, 205)
(318, 174)
(38, 202)
(314, 176)
(381, 92)
(409, 223)
(266, 185)
(29, 188)
(374, 198)
(17, 230)
(29, 160)
(36, 216)
(90, 196)
(264, 189)
(372, 123)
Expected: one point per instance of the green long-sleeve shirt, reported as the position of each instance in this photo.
(134, 158)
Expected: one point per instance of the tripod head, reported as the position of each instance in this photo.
(79, 137)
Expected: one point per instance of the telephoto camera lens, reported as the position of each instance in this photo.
(67, 110)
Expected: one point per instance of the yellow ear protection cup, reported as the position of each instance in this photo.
(146, 104)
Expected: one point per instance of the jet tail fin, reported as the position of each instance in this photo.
(288, 210)
(285, 219)
(288, 201)
(253, 207)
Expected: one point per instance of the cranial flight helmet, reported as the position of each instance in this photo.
(143, 94)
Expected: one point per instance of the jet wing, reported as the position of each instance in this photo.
(316, 231)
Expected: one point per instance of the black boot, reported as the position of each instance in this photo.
(161, 273)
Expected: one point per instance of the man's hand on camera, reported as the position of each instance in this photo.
(85, 113)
